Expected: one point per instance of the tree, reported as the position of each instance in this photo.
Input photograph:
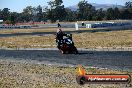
(27, 14)
(99, 14)
(39, 13)
(71, 15)
(56, 11)
(5, 14)
(21, 17)
(128, 4)
(116, 13)
(0, 13)
(110, 14)
(28, 10)
(58, 2)
(85, 10)
(125, 14)
(14, 17)
(7, 22)
(51, 4)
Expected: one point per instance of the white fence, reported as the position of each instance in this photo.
(107, 24)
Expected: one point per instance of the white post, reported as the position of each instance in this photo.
(76, 26)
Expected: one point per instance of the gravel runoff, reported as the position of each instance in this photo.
(48, 68)
(23, 74)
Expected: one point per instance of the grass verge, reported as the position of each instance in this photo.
(82, 40)
(15, 74)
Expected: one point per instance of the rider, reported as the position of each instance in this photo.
(59, 37)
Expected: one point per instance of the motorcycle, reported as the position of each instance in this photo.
(66, 45)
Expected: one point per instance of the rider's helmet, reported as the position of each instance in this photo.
(59, 30)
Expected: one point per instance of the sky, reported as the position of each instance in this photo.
(18, 5)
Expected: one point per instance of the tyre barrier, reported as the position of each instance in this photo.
(14, 27)
(107, 24)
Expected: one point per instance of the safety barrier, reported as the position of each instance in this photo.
(107, 24)
(13, 27)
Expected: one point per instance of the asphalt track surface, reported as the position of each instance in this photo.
(121, 60)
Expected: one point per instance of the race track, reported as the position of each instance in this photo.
(121, 60)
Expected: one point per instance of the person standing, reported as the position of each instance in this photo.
(59, 25)
(82, 23)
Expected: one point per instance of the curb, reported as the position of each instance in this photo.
(80, 49)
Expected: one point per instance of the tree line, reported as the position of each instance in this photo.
(57, 11)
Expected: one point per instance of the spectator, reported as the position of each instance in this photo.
(82, 23)
(59, 25)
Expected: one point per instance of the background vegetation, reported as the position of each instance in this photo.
(56, 11)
